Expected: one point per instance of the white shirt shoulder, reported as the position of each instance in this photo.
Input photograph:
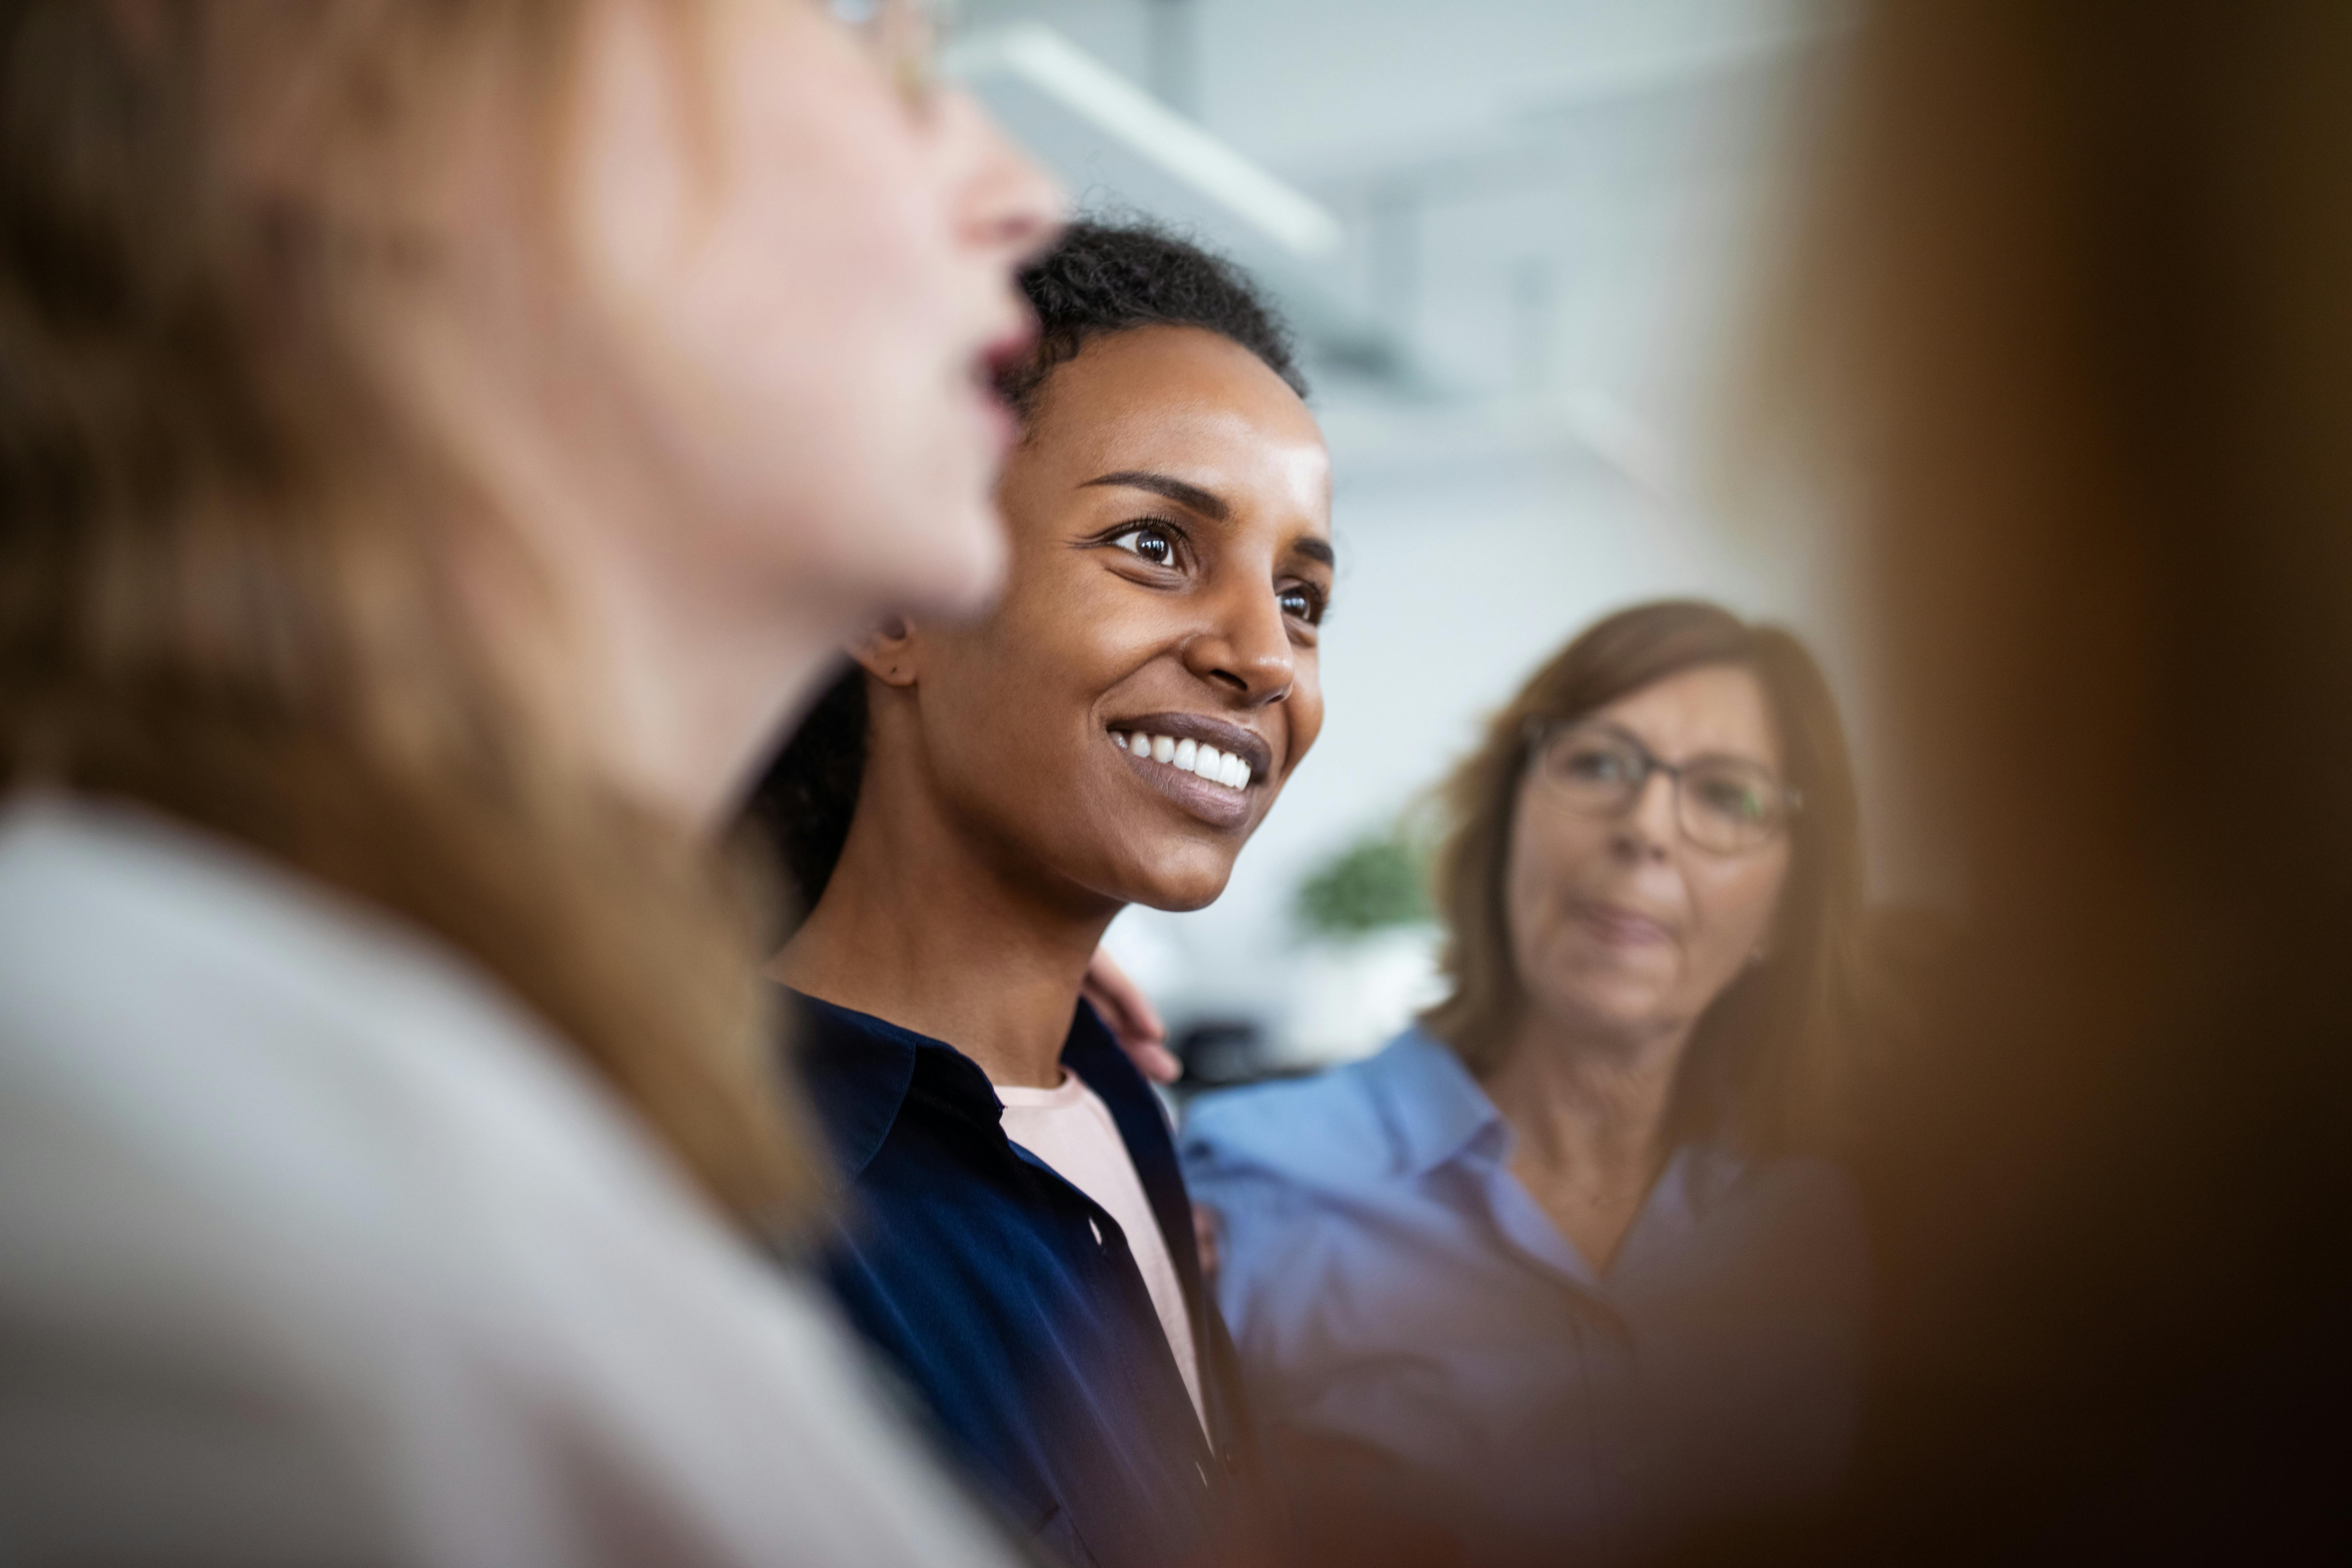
(314, 1248)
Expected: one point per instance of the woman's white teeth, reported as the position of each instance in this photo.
(1226, 768)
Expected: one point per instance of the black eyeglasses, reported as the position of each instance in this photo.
(1727, 806)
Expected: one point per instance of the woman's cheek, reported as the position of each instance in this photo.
(1732, 912)
(1558, 852)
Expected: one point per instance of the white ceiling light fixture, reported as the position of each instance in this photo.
(1085, 86)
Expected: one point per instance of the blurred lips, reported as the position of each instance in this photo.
(1615, 925)
(988, 366)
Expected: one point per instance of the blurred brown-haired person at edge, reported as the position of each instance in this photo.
(2074, 338)
(1559, 1274)
(439, 445)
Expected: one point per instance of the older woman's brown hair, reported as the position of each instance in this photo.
(1767, 1063)
(229, 585)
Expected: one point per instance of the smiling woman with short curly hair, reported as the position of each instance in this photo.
(965, 816)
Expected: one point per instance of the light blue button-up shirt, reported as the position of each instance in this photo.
(1398, 1297)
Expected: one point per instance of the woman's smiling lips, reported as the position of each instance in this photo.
(1206, 765)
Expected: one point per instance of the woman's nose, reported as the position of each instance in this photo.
(1648, 828)
(1245, 647)
(1009, 203)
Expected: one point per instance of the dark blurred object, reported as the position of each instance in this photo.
(1219, 1052)
(2075, 333)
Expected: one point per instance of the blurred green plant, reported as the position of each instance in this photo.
(1374, 884)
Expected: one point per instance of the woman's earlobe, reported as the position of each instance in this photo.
(887, 652)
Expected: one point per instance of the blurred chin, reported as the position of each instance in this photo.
(955, 567)
(1601, 994)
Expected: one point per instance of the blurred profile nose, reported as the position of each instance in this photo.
(1245, 649)
(1009, 203)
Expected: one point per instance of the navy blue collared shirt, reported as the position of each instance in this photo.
(1008, 1300)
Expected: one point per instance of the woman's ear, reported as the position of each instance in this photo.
(887, 652)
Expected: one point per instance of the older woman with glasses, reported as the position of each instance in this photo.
(1554, 1273)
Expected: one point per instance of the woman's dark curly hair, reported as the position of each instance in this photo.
(1100, 279)
(1114, 277)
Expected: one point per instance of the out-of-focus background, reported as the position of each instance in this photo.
(1514, 238)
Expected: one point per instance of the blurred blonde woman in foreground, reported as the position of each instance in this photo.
(2076, 337)
(1559, 1274)
(438, 446)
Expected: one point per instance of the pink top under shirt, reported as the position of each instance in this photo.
(1071, 1130)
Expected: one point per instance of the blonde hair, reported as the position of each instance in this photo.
(226, 564)
(1768, 1062)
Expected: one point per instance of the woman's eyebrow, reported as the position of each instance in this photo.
(1193, 498)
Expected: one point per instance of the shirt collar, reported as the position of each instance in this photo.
(1438, 1112)
(861, 1071)
(857, 1069)
(1433, 1107)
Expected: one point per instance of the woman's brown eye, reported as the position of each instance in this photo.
(1306, 603)
(1153, 545)
(1601, 766)
(1734, 798)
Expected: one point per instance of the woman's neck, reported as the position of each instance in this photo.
(919, 926)
(1589, 1115)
